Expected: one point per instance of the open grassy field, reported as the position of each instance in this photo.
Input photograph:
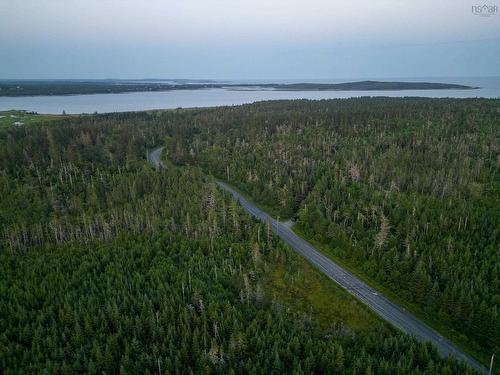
(10, 118)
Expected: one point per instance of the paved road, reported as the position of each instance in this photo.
(154, 157)
(386, 309)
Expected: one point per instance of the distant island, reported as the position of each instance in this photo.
(81, 87)
(372, 85)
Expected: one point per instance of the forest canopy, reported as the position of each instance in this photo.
(404, 191)
(109, 265)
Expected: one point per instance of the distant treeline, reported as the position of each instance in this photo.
(77, 87)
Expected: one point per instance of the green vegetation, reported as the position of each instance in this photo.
(305, 289)
(404, 191)
(23, 118)
(109, 266)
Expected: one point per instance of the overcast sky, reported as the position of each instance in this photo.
(240, 39)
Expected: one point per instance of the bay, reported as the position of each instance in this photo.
(138, 101)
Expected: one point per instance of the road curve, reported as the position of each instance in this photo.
(382, 306)
(154, 157)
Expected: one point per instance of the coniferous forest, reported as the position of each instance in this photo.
(108, 265)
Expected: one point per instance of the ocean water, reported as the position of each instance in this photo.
(137, 101)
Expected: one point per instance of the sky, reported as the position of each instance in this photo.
(240, 39)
